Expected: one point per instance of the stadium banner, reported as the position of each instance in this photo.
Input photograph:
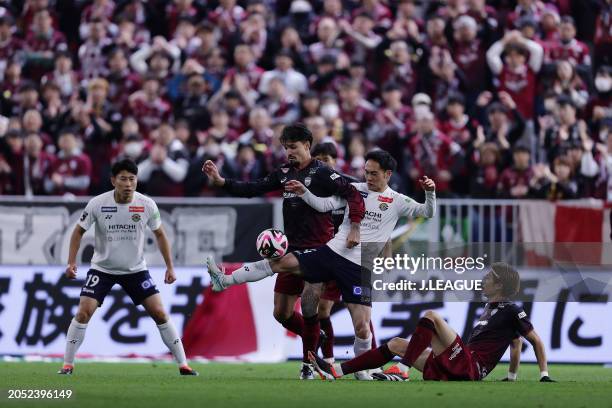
(37, 304)
(37, 232)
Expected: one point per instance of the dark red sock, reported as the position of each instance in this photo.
(295, 323)
(328, 345)
(373, 337)
(420, 340)
(370, 359)
(310, 336)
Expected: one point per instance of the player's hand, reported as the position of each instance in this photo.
(353, 237)
(71, 271)
(211, 170)
(427, 183)
(170, 276)
(294, 186)
(546, 379)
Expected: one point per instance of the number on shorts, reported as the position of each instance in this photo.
(92, 280)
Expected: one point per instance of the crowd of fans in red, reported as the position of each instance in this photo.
(500, 98)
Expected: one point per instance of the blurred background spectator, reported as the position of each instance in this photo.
(492, 99)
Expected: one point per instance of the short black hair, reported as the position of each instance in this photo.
(383, 158)
(325, 149)
(296, 132)
(125, 164)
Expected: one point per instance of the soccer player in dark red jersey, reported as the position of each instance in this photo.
(438, 352)
(305, 227)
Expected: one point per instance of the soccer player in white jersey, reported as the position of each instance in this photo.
(336, 260)
(121, 217)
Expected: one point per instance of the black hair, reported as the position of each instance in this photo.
(296, 132)
(383, 158)
(325, 149)
(125, 164)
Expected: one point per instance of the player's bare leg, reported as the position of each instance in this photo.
(251, 272)
(361, 315)
(76, 332)
(155, 308)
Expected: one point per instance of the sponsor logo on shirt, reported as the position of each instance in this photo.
(385, 199)
(456, 350)
(124, 227)
(363, 194)
(84, 215)
(522, 315)
(136, 208)
(108, 209)
(334, 176)
(136, 217)
(383, 206)
(108, 216)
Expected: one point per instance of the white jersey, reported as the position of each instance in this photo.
(382, 211)
(120, 231)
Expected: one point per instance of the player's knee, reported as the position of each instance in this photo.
(159, 316)
(83, 315)
(362, 329)
(281, 315)
(431, 315)
(396, 345)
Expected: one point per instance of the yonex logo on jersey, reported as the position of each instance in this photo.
(385, 199)
(108, 217)
(137, 209)
(108, 209)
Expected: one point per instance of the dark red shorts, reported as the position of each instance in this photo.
(289, 284)
(331, 292)
(456, 363)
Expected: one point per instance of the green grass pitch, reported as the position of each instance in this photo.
(275, 385)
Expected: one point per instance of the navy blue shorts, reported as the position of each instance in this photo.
(138, 286)
(324, 265)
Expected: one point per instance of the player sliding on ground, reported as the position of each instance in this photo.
(121, 217)
(338, 260)
(440, 354)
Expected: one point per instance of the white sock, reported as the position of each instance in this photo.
(362, 345)
(251, 272)
(74, 339)
(173, 341)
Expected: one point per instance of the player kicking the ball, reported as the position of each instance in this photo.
(121, 217)
(440, 354)
(337, 260)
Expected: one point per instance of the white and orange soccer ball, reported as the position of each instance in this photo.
(272, 243)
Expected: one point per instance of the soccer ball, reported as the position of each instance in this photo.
(272, 243)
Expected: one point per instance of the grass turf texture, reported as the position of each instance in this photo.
(276, 385)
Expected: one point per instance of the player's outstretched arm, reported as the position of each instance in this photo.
(321, 204)
(515, 359)
(411, 208)
(242, 188)
(164, 247)
(540, 352)
(75, 243)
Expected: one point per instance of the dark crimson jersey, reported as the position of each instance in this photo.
(575, 52)
(521, 85)
(305, 227)
(499, 324)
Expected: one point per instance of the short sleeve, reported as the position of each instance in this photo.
(520, 321)
(87, 217)
(155, 218)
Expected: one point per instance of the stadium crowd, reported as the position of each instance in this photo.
(501, 98)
